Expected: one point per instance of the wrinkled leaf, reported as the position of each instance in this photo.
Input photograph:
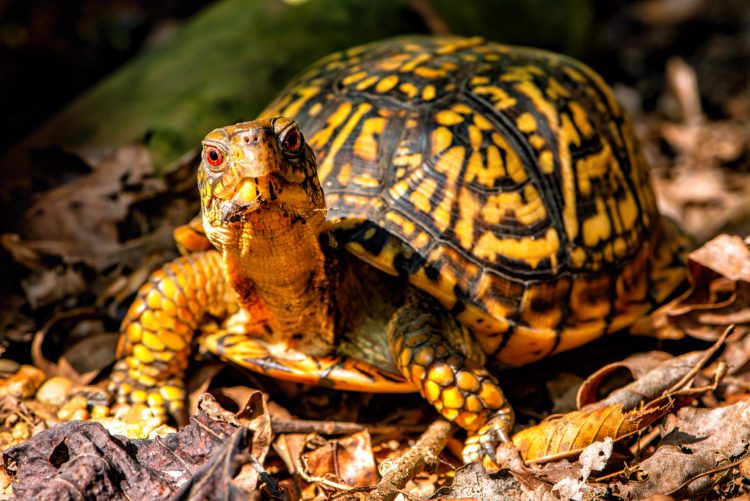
(624, 412)
(214, 481)
(348, 460)
(473, 482)
(568, 434)
(90, 462)
(601, 383)
(647, 387)
(719, 273)
(82, 346)
(84, 214)
(703, 449)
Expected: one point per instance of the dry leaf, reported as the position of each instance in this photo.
(624, 412)
(617, 374)
(704, 448)
(719, 273)
(348, 460)
(78, 339)
(85, 212)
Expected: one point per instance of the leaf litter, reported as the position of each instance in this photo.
(668, 421)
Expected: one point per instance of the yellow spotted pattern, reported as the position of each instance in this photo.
(504, 181)
(157, 332)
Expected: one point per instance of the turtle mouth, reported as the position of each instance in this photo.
(259, 218)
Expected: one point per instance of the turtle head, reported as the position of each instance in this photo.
(258, 179)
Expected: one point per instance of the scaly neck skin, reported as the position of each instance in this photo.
(283, 280)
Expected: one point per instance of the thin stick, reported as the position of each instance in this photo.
(401, 470)
(338, 427)
(643, 442)
(698, 366)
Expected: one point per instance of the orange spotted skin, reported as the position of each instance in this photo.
(448, 377)
(401, 212)
(157, 332)
(191, 237)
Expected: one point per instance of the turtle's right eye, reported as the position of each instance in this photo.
(214, 157)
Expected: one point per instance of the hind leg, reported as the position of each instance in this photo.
(434, 352)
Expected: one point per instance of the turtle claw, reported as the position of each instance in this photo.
(482, 446)
(165, 399)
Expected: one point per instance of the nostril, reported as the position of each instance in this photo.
(255, 138)
(246, 139)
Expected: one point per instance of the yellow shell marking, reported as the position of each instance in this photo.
(467, 217)
(513, 165)
(570, 212)
(306, 93)
(420, 197)
(593, 166)
(315, 109)
(555, 90)
(475, 137)
(476, 170)
(386, 84)
(321, 138)
(345, 173)
(500, 99)
(527, 249)
(597, 228)
(580, 118)
(448, 117)
(366, 180)
(367, 82)
(479, 80)
(546, 162)
(537, 141)
(353, 78)
(429, 92)
(482, 122)
(327, 164)
(441, 139)
(526, 122)
(416, 61)
(409, 89)
(393, 63)
(430, 73)
(504, 204)
(448, 164)
(366, 146)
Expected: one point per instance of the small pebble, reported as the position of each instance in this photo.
(54, 390)
(21, 431)
(8, 366)
(22, 384)
(75, 408)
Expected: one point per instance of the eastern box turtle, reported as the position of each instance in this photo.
(469, 201)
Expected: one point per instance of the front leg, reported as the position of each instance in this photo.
(156, 334)
(430, 348)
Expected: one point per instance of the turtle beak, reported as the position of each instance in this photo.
(252, 194)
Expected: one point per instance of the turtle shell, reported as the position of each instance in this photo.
(507, 182)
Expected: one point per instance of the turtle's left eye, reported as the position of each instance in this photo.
(213, 156)
(293, 141)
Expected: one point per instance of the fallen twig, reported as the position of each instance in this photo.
(398, 472)
(338, 427)
(699, 365)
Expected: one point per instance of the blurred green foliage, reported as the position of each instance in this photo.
(234, 56)
(560, 25)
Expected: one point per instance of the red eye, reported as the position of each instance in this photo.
(292, 141)
(213, 156)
